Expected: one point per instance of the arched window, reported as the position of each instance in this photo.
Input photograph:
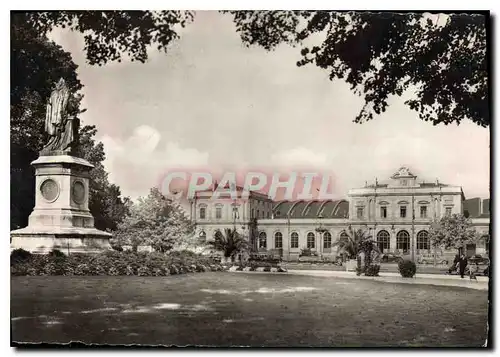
(203, 236)
(403, 241)
(203, 212)
(278, 240)
(423, 242)
(311, 240)
(343, 236)
(327, 240)
(294, 240)
(383, 241)
(262, 240)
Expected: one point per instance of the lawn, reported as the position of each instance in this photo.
(227, 309)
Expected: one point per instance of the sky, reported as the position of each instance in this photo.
(212, 102)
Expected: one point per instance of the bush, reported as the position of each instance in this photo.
(372, 270)
(19, 255)
(111, 263)
(239, 268)
(407, 268)
(57, 253)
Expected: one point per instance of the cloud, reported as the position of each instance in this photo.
(138, 163)
(300, 157)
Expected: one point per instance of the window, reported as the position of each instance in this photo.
(311, 240)
(403, 241)
(423, 241)
(359, 212)
(294, 241)
(308, 209)
(383, 241)
(404, 183)
(262, 214)
(402, 211)
(448, 211)
(203, 236)
(343, 236)
(278, 240)
(268, 215)
(218, 212)
(262, 240)
(423, 211)
(257, 214)
(203, 212)
(327, 240)
(383, 212)
(218, 234)
(253, 213)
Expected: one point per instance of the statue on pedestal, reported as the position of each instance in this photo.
(62, 130)
(61, 218)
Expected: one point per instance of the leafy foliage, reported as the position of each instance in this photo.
(230, 243)
(154, 221)
(111, 34)
(19, 255)
(36, 64)
(112, 263)
(372, 270)
(407, 268)
(452, 231)
(443, 58)
(354, 243)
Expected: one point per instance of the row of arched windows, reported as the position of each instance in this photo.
(294, 240)
(383, 240)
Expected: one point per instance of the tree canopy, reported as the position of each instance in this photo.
(36, 65)
(154, 221)
(109, 35)
(443, 58)
(453, 231)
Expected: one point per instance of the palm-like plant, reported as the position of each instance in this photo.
(230, 243)
(354, 242)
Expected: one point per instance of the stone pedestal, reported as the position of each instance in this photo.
(61, 218)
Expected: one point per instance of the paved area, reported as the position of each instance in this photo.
(424, 279)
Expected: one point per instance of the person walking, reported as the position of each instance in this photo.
(462, 263)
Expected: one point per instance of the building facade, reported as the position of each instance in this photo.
(397, 214)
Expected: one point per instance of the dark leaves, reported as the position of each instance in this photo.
(386, 54)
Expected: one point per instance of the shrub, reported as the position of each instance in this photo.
(267, 268)
(372, 270)
(407, 268)
(19, 255)
(144, 271)
(282, 270)
(57, 253)
(239, 268)
(110, 263)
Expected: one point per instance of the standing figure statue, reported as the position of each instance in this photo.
(63, 131)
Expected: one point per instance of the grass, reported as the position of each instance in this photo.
(226, 309)
(384, 267)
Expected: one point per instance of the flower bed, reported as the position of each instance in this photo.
(111, 263)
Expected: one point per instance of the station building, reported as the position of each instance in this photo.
(397, 214)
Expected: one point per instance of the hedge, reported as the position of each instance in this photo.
(111, 263)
